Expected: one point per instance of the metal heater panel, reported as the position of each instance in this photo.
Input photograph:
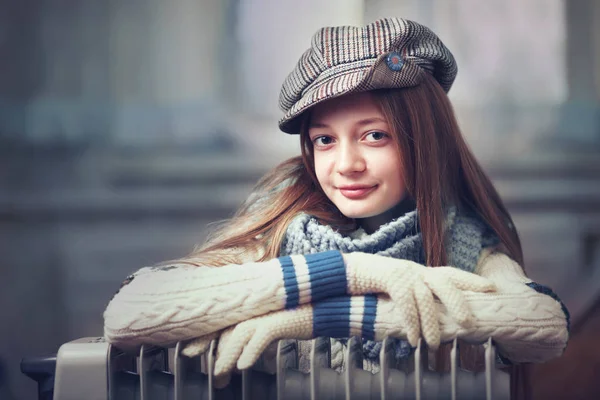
(91, 369)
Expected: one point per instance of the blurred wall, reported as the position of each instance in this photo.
(127, 126)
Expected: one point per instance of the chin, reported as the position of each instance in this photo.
(357, 209)
(358, 214)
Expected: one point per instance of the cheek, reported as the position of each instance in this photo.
(393, 169)
(321, 168)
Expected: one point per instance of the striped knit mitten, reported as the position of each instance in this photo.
(342, 316)
(414, 287)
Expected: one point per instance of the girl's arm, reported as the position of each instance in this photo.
(526, 320)
(163, 305)
(179, 302)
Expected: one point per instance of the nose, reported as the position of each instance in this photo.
(349, 159)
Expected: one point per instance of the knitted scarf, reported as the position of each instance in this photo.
(466, 236)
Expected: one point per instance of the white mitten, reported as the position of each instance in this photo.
(413, 287)
(243, 343)
(199, 345)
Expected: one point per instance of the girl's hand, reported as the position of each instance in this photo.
(199, 345)
(413, 287)
(242, 344)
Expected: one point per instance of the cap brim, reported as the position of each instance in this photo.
(371, 76)
(334, 87)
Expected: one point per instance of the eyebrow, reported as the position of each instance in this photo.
(362, 122)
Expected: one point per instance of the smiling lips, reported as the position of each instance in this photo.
(355, 192)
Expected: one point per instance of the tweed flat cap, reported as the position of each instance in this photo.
(388, 53)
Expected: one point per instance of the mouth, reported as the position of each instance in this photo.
(355, 192)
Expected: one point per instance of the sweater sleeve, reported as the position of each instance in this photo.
(162, 305)
(528, 321)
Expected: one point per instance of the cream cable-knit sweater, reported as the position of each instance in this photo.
(179, 302)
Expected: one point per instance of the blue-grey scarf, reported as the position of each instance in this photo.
(466, 236)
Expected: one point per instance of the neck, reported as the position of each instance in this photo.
(371, 224)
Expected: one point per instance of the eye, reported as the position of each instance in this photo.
(322, 141)
(376, 136)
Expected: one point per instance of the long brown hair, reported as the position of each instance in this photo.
(439, 171)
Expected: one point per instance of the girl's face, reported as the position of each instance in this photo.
(357, 161)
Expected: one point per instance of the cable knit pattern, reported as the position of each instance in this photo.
(526, 324)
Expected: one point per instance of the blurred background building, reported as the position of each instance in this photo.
(126, 126)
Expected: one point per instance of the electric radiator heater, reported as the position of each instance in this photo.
(91, 369)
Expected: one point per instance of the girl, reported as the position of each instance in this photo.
(385, 226)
